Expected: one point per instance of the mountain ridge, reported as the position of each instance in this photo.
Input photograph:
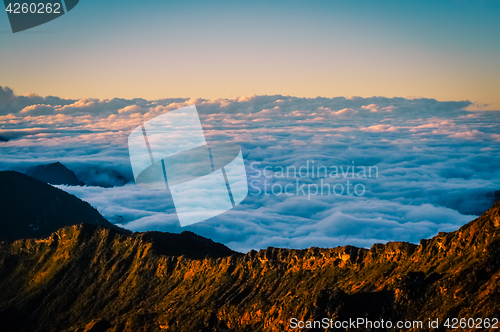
(121, 282)
(32, 208)
(54, 173)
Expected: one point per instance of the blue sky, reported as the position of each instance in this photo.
(447, 50)
(408, 86)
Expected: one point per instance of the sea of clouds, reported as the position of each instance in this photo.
(436, 163)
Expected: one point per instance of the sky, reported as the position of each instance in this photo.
(447, 50)
(435, 165)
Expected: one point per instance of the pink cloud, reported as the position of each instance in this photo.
(380, 128)
(344, 112)
(38, 109)
(371, 107)
(131, 109)
(376, 108)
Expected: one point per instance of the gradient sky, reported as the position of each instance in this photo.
(448, 50)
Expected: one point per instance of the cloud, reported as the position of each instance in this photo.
(344, 112)
(435, 163)
(377, 108)
(471, 135)
(6, 96)
(96, 106)
(371, 107)
(380, 128)
(13, 104)
(131, 109)
(38, 109)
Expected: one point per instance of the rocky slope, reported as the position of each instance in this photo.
(89, 278)
(31, 208)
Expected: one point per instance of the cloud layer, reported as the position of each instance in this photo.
(435, 163)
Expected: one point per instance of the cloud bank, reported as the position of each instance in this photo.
(435, 163)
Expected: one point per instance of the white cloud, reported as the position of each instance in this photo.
(436, 163)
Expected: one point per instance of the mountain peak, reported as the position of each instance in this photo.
(32, 208)
(151, 281)
(55, 173)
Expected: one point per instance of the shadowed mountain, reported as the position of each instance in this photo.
(31, 208)
(494, 194)
(103, 177)
(55, 173)
(89, 278)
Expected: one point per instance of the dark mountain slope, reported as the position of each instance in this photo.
(95, 279)
(55, 173)
(31, 208)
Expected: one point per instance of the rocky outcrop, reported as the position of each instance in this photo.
(86, 278)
